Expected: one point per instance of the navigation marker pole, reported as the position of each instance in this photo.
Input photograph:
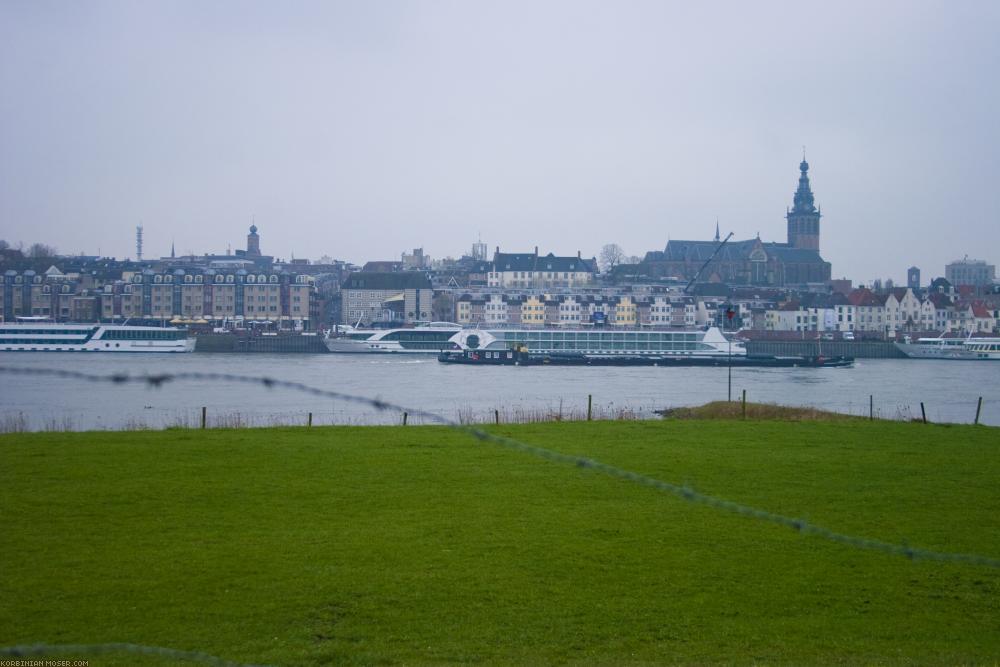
(729, 316)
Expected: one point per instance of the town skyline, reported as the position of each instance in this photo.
(361, 132)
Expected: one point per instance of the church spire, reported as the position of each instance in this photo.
(803, 201)
(171, 249)
(716, 230)
(803, 217)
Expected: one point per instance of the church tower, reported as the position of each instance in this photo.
(253, 242)
(803, 217)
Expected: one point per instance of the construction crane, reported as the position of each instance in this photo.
(707, 262)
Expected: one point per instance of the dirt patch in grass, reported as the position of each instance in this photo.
(758, 411)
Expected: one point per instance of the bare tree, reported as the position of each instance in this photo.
(611, 256)
(443, 307)
(39, 250)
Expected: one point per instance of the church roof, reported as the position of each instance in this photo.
(735, 251)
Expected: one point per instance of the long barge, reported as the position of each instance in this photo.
(558, 347)
(521, 358)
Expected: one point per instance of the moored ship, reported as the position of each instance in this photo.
(967, 349)
(429, 338)
(606, 347)
(32, 336)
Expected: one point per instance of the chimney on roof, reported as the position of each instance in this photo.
(578, 255)
(536, 251)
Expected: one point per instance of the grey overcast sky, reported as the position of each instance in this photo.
(362, 129)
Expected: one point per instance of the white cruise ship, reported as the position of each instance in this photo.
(603, 342)
(968, 349)
(60, 337)
(430, 338)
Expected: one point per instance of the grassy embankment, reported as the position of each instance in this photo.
(420, 545)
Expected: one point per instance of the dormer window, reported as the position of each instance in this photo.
(251, 278)
(188, 278)
(197, 279)
(274, 279)
(219, 278)
(157, 279)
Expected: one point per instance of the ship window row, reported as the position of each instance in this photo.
(596, 337)
(144, 335)
(38, 341)
(45, 332)
(421, 336)
(669, 346)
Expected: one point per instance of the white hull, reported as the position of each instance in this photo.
(349, 346)
(426, 339)
(603, 343)
(131, 346)
(969, 350)
(55, 337)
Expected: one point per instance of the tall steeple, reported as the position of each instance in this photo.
(803, 217)
(716, 230)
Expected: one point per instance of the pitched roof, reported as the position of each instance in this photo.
(384, 281)
(509, 261)
(864, 297)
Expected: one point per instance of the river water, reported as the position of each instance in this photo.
(949, 390)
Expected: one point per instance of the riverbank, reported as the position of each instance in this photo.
(421, 545)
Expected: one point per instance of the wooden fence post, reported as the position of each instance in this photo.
(979, 408)
(496, 415)
(871, 407)
(744, 404)
(404, 419)
(310, 422)
(923, 413)
(204, 415)
(590, 406)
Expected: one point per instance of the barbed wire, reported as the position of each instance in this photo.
(684, 492)
(38, 650)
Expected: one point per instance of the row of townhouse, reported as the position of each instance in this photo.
(207, 295)
(569, 310)
(211, 295)
(48, 294)
(887, 314)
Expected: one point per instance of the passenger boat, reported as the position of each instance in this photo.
(968, 349)
(604, 347)
(429, 338)
(35, 336)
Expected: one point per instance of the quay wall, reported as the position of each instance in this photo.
(857, 349)
(250, 344)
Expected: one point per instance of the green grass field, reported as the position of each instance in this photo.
(421, 545)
